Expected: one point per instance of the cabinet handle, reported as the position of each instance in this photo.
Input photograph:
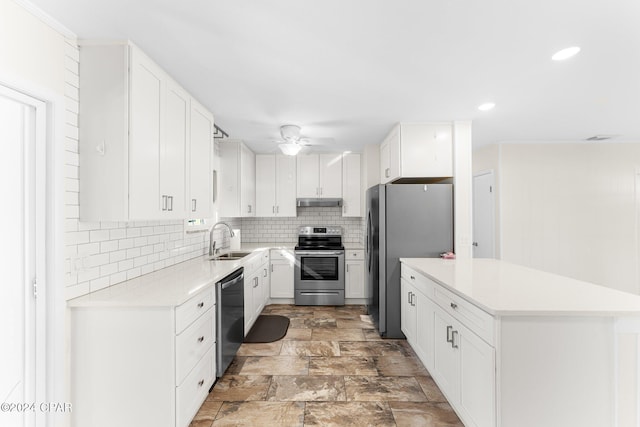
(272, 268)
(273, 209)
(200, 383)
(317, 191)
(265, 272)
(347, 268)
(277, 209)
(408, 297)
(413, 303)
(449, 330)
(413, 277)
(454, 334)
(164, 203)
(321, 191)
(194, 204)
(200, 339)
(454, 305)
(200, 304)
(255, 279)
(170, 202)
(386, 173)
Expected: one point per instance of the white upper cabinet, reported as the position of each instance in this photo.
(237, 180)
(351, 185)
(173, 149)
(133, 138)
(200, 201)
(319, 175)
(417, 150)
(275, 185)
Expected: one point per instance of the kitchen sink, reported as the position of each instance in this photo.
(230, 256)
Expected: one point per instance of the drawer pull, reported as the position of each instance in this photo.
(454, 305)
(200, 383)
(201, 304)
(449, 338)
(200, 339)
(413, 277)
(454, 334)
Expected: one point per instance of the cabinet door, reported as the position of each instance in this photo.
(266, 185)
(427, 150)
(385, 170)
(247, 182)
(146, 86)
(282, 278)
(200, 201)
(351, 188)
(308, 174)
(249, 305)
(395, 167)
(408, 311)
(229, 162)
(446, 358)
(424, 330)
(285, 185)
(331, 175)
(264, 286)
(477, 379)
(173, 150)
(354, 279)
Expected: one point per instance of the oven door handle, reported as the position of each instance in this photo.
(319, 253)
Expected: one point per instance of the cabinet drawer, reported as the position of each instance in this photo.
(193, 308)
(422, 283)
(283, 254)
(193, 343)
(193, 391)
(354, 254)
(478, 321)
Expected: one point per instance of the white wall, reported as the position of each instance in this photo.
(572, 209)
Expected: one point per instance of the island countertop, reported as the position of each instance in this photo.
(501, 288)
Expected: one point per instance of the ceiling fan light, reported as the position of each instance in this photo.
(290, 149)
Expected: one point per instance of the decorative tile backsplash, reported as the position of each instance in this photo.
(258, 230)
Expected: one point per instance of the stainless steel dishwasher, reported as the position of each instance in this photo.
(230, 319)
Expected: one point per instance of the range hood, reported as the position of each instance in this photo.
(313, 202)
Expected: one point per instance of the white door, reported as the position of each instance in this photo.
(308, 175)
(285, 185)
(22, 172)
(201, 163)
(173, 150)
(331, 175)
(483, 215)
(351, 188)
(265, 185)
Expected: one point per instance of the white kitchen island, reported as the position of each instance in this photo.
(513, 346)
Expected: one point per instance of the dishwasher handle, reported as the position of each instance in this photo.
(225, 285)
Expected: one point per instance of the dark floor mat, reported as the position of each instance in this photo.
(268, 328)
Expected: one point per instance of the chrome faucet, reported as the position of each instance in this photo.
(212, 243)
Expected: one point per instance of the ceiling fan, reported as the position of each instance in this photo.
(292, 141)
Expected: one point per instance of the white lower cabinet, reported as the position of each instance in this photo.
(282, 273)
(354, 286)
(256, 287)
(142, 365)
(462, 364)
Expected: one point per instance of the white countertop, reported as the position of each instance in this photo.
(172, 286)
(505, 289)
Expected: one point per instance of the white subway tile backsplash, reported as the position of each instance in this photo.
(99, 283)
(109, 246)
(99, 235)
(117, 233)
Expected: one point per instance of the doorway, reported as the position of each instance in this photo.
(22, 307)
(484, 215)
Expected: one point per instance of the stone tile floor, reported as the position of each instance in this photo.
(331, 369)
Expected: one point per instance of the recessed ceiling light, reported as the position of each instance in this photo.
(486, 106)
(565, 53)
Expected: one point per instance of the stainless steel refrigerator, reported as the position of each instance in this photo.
(403, 221)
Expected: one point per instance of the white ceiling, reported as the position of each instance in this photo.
(350, 69)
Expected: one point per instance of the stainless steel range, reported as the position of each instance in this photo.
(319, 269)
